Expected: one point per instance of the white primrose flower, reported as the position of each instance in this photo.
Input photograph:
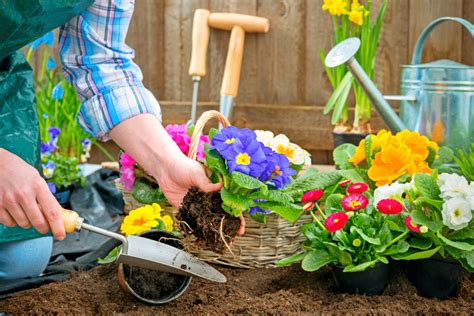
(453, 185)
(456, 213)
(282, 145)
(390, 191)
(307, 158)
(264, 137)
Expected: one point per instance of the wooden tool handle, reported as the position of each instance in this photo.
(249, 23)
(233, 63)
(70, 220)
(200, 42)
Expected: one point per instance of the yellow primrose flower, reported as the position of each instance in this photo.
(145, 218)
(335, 7)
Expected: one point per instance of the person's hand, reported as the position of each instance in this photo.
(181, 173)
(25, 199)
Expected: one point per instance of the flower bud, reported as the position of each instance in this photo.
(350, 214)
(423, 229)
(356, 242)
(308, 206)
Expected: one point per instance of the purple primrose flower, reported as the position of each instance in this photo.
(231, 136)
(282, 172)
(57, 92)
(52, 187)
(48, 169)
(257, 209)
(249, 159)
(54, 132)
(46, 149)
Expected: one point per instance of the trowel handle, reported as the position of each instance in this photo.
(200, 41)
(249, 23)
(233, 62)
(72, 221)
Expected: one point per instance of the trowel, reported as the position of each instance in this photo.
(147, 253)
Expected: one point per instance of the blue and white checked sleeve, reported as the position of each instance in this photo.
(100, 65)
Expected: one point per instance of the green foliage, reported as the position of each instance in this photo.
(464, 158)
(314, 180)
(427, 186)
(111, 256)
(66, 172)
(147, 192)
(342, 154)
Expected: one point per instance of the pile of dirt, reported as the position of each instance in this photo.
(257, 291)
(202, 215)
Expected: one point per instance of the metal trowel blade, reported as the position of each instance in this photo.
(150, 254)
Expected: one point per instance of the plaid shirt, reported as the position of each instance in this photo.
(100, 65)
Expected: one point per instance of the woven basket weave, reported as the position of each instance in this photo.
(262, 244)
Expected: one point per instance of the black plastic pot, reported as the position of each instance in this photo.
(164, 292)
(62, 196)
(369, 282)
(435, 277)
(351, 138)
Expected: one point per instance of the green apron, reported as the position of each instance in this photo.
(22, 22)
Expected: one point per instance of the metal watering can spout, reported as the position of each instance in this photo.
(343, 53)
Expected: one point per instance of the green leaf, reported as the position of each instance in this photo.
(272, 195)
(337, 94)
(318, 180)
(216, 164)
(111, 256)
(355, 175)
(465, 233)
(438, 204)
(456, 244)
(236, 203)
(146, 192)
(368, 151)
(343, 257)
(427, 186)
(400, 247)
(420, 243)
(259, 217)
(290, 212)
(363, 220)
(314, 260)
(190, 129)
(290, 260)
(247, 182)
(213, 132)
(373, 241)
(342, 154)
(333, 203)
(341, 103)
(418, 217)
(416, 255)
(360, 267)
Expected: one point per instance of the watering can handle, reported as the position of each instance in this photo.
(422, 39)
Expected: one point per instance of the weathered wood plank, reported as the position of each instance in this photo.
(445, 42)
(281, 59)
(319, 30)
(146, 36)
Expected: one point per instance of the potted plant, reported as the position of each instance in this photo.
(360, 226)
(58, 106)
(352, 19)
(440, 218)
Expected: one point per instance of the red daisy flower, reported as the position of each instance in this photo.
(412, 226)
(359, 187)
(354, 202)
(312, 196)
(335, 221)
(308, 206)
(390, 206)
(344, 182)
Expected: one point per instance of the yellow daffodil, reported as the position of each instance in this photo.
(145, 218)
(335, 7)
(357, 13)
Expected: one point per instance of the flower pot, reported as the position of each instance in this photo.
(369, 282)
(151, 286)
(62, 196)
(351, 138)
(435, 277)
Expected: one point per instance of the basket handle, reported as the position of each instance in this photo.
(200, 124)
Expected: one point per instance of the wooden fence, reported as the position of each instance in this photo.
(283, 86)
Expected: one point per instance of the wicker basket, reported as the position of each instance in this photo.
(262, 244)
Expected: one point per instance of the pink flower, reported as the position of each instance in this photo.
(127, 177)
(179, 134)
(126, 160)
(358, 187)
(412, 226)
(353, 202)
(308, 206)
(389, 206)
(344, 183)
(312, 196)
(336, 221)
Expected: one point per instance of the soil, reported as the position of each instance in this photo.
(274, 291)
(203, 216)
(151, 284)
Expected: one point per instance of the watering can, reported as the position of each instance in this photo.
(437, 98)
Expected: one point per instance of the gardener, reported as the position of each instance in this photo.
(115, 105)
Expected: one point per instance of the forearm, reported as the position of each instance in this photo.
(145, 139)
